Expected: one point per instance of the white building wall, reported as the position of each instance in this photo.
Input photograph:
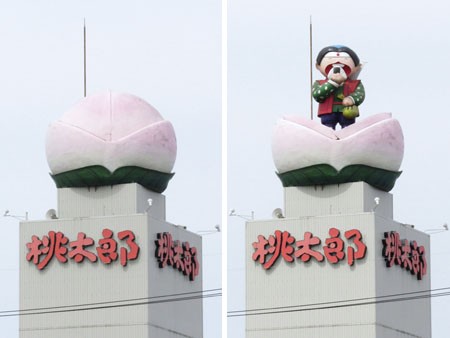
(122, 199)
(410, 318)
(346, 198)
(74, 283)
(315, 285)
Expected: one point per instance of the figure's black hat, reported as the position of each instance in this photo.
(337, 48)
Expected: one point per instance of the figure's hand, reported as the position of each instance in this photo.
(338, 78)
(347, 101)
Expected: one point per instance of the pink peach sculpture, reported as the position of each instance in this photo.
(306, 152)
(111, 138)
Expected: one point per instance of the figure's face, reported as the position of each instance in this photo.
(332, 60)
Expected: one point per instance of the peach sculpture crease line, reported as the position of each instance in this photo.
(153, 143)
(110, 140)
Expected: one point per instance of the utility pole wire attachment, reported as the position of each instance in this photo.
(18, 217)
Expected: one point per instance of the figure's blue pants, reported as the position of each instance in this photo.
(332, 119)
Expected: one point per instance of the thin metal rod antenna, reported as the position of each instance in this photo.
(310, 65)
(84, 38)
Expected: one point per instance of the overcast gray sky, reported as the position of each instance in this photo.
(406, 48)
(166, 52)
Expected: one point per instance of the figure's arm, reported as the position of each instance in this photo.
(321, 92)
(357, 97)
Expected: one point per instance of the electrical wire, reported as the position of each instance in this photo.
(106, 305)
(340, 301)
(341, 304)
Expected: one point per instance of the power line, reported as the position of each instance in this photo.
(341, 301)
(341, 306)
(106, 305)
(351, 303)
(112, 306)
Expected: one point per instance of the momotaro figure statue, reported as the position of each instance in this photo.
(340, 94)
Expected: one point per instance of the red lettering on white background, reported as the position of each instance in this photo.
(180, 256)
(407, 255)
(281, 244)
(56, 245)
